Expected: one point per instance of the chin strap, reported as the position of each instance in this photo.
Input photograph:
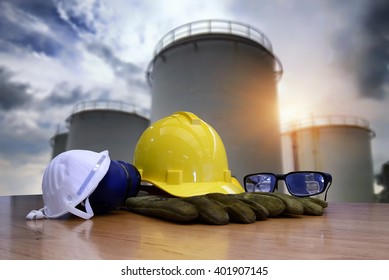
(36, 215)
(40, 214)
(85, 215)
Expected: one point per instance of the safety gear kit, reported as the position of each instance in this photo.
(81, 182)
(185, 159)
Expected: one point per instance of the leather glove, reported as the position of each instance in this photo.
(221, 209)
(298, 205)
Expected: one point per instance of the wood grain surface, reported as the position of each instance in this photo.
(346, 231)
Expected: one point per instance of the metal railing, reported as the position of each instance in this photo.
(110, 105)
(333, 120)
(213, 26)
(62, 128)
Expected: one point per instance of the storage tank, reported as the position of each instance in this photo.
(340, 145)
(107, 125)
(59, 141)
(382, 180)
(226, 73)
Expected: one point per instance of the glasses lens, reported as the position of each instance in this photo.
(260, 183)
(305, 183)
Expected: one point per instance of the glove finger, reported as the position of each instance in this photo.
(260, 211)
(321, 202)
(292, 205)
(273, 205)
(210, 211)
(238, 211)
(172, 209)
(311, 208)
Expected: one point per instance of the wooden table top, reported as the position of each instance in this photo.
(346, 231)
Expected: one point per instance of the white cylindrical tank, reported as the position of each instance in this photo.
(59, 141)
(226, 73)
(106, 125)
(339, 145)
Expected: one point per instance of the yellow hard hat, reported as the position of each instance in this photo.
(184, 156)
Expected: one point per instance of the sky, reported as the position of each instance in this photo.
(55, 54)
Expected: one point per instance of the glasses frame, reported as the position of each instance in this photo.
(281, 177)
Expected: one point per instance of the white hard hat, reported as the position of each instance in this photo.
(68, 180)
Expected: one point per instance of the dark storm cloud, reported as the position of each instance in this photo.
(31, 141)
(373, 75)
(78, 19)
(15, 95)
(47, 11)
(363, 45)
(42, 9)
(120, 68)
(20, 136)
(131, 73)
(32, 25)
(12, 94)
(64, 94)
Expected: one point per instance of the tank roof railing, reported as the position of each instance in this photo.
(62, 128)
(110, 105)
(213, 26)
(333, 120)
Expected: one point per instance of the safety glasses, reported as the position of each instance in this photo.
(298, 183)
